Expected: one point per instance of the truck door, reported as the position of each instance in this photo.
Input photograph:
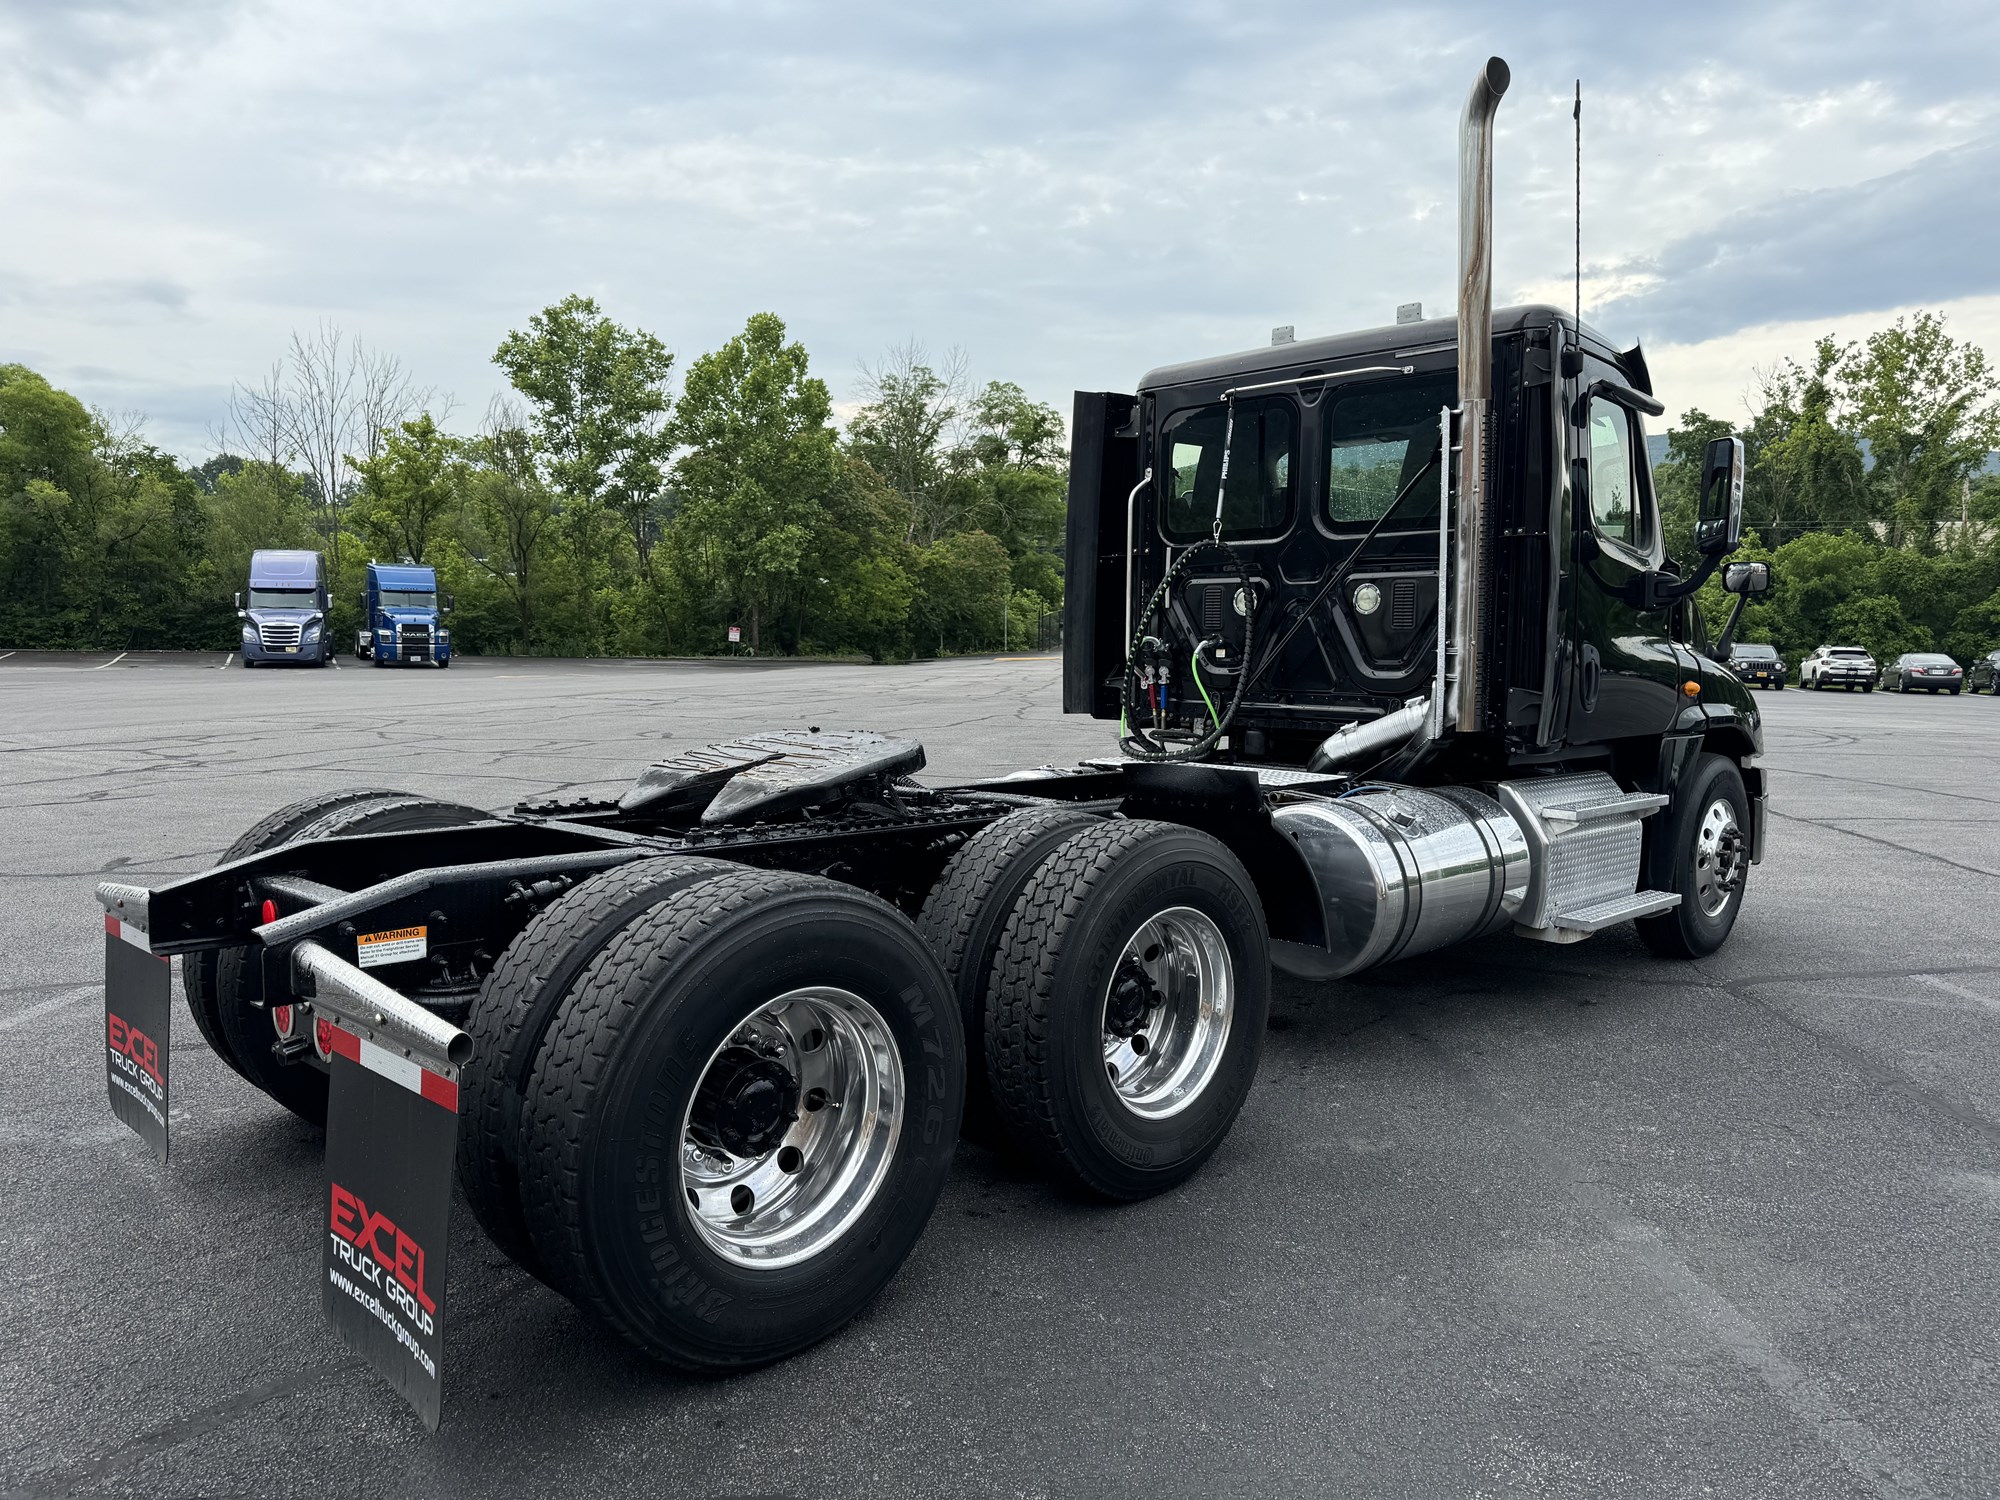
(1627, 677)
(1103, 468)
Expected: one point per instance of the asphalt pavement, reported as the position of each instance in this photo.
(1507, 1220)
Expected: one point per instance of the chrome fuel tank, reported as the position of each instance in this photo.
(1403, 870)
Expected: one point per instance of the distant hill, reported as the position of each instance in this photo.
(1656, 453)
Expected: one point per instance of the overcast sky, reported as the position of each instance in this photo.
(1071, 193)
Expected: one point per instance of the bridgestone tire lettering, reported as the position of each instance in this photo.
(963, 918)
(601, 1173)
(1045, 1007)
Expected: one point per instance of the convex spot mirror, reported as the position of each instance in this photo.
(1747, 578)
(1718, 523)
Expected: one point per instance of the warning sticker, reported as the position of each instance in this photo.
(396, 946)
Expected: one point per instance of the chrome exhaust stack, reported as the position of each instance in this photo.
(1466, 651)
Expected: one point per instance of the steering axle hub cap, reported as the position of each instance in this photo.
(792, 1128)
(1720, 857)
(1167, 1012)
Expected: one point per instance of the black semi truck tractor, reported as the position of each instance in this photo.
(1396, 659)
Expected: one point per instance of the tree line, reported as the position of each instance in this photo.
(594, 510)
(1870, 490)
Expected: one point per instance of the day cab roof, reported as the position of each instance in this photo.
(418, 578)
(285, 569)
(1394, 341)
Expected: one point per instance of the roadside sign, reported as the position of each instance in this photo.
(137, 1017)
(391, 1136)
(735, 635)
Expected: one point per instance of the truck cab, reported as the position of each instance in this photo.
(402, 617)
(1336, 474)
(284, 610)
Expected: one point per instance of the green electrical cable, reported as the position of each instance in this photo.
(1194, 671)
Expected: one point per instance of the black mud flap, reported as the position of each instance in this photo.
(138, 1017)
(391, 1138)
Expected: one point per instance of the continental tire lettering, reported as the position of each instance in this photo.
(1132, 1153)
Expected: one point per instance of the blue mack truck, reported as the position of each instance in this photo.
(402, 617)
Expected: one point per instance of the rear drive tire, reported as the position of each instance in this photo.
(963, 918)
(280, 827)
(1127, 1010)
(241, 1012)
(743, 1117)
(511, 1018)
(1709, 826)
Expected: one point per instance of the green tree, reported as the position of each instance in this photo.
(962, 588)
(906, 430)
(598, 396)
(508, 522)
(1929, 408)
(760, 465)
(410, 490)
(1877, 623)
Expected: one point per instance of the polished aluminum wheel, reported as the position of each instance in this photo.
(1719, 857)
(792, 1128)
(1167, 1011)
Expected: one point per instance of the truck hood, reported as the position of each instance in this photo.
(408, 617)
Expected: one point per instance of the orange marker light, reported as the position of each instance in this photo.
(1692, 689)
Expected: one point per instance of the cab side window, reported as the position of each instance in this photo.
(1617, 512)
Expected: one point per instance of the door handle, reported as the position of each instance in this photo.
(1587, 679)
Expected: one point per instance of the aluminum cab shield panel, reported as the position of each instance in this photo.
(390, 1147)
(138, 1017)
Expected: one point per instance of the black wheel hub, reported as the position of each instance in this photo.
(1134, 996)
(745, 1104)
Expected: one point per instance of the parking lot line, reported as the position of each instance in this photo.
(112, 663)
(227, 658)
(1939, 982)
(5, 654)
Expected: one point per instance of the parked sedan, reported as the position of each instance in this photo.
(1759, 665)
(1847, 667)
(1985, 673)
(1923, 672)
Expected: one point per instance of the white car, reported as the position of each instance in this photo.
(1847, 667)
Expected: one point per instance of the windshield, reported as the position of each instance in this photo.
(408, 599)
(1261, 469)
(283, 599)
(1753, 652)
(1379, 439)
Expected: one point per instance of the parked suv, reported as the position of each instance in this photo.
(1923, 672)
(1985, 673)
(1847, 667)
(1759, 665)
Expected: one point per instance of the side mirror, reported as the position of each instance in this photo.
(1746, 578)
(1718, 526)
(239, 601)
(450, 603)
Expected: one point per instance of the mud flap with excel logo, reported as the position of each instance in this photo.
(138, 1014)
(391, 1131)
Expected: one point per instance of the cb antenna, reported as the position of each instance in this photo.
(1576, 114)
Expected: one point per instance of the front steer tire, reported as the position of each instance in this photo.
(653, 1025)
(1689, 931)
(511, 1018)
(964, 916)
(1051, 1042)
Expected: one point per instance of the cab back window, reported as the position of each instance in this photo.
(1263, 468)
(1379, 440)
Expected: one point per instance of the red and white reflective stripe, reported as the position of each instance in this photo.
(413, 1076)
(136, 936)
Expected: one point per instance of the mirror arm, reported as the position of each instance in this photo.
(1660, 592)
(1726, 642)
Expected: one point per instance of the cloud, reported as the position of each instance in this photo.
(1924, 234)
(1072, 194)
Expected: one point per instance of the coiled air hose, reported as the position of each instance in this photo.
(1135, 742)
